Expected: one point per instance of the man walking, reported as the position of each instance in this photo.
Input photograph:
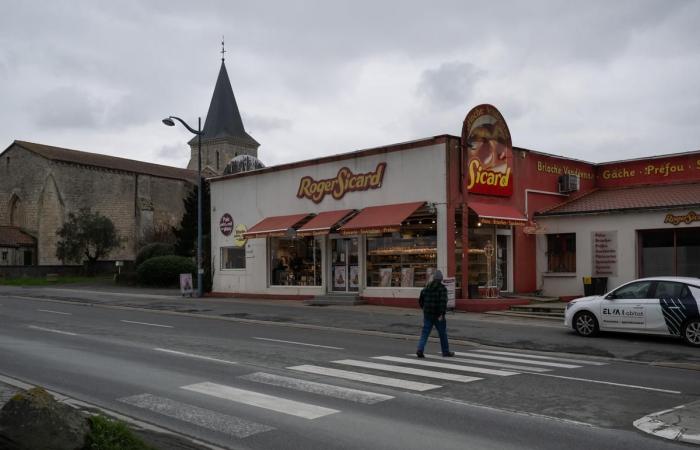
(433, 301)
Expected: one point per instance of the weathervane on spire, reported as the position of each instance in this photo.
(223, 50)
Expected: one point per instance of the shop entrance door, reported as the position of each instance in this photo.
(344, 267)
(504, 260)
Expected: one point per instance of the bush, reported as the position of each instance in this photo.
(152, 250)
(165, 270)
(107, 434)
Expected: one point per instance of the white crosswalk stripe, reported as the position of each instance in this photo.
(551, 358)
(365, 377)
(252, 398)
(211, 420)
(422, 362)
(353, 395)
(407, 370)
(501, 365)
(518, 360)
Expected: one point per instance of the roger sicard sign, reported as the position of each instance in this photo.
(345, 181)
(489, 152)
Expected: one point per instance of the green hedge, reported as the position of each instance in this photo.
(165, 270)
(152, 250)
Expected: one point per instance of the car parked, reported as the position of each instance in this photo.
(657, 305)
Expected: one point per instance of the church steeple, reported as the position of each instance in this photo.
(223, 135)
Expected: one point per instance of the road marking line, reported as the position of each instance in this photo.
(55, 312)
(279, 404)
(632, 386)
(490, 363)
(149, 324)
(211, 420)
(191, 355)
(367, 378)
(420, 362)
(518, 360)
(298, 343)
(52, 330)
(353, 395)
(408, 370)
(575, 361)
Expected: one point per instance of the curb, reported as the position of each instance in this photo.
(656, 425)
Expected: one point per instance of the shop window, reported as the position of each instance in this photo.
(561, 253)
(232, 258)
(295, 261)
(688, 253)
(403, 259)
(670, 252)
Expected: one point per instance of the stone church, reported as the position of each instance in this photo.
(41, 184)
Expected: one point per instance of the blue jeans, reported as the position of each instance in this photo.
(441, 325)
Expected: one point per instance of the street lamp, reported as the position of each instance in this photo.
(169, 122)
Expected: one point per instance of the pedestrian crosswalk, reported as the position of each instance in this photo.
(397, 373)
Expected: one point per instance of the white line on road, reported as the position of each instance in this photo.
(279, 404)
(632, 386)
(55, 312)
(420, 362)
(575, 361)
(518, 360)
(407, 370)
(367, 378)
(223, 423)
(490, 363)
(192, 355)
(353, 395)
(298, 343)
(149, 324)
(52, 330)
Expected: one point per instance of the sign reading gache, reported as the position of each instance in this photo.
(487, 143)
(345, 181)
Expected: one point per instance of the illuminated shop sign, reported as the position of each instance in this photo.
(689, 218)
(489, 150)
(345, 181)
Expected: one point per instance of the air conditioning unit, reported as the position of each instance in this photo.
(568, 183)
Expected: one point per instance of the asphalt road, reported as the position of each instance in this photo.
(264, 386)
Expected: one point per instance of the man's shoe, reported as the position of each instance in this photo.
(420, 354)
(448, 354)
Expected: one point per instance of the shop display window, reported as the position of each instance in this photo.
(403, 259)
(670, 252)
(295, 261)
(232, 258)
(483, 267)
(561, 253)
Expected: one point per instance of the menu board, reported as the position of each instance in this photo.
(604, 253)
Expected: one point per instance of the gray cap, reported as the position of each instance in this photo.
(438, 275)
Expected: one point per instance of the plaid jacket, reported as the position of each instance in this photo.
(433, 299)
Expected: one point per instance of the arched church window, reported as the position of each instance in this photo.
(16, 212)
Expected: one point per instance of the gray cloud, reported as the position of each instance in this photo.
(451, 84)
(67, 107)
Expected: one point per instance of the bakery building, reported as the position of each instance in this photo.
(498, 220)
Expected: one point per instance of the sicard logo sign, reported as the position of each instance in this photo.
(226, 224)
(489, 152)
(345, 181)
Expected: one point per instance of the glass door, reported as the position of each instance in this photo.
(345, 270)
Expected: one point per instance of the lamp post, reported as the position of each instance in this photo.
(169, 122)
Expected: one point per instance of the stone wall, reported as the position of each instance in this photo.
(225, 148)
(50, 190)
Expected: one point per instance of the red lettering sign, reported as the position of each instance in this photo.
(487, 144)
(344, 182)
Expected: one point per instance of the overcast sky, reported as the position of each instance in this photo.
(594, 80)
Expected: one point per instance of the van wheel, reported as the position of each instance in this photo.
(691, 332)
(585, 324)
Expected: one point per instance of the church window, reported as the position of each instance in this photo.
(232, 258)
(8, 163)
(4, 256)
(217, 160)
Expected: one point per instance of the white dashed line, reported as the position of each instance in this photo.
(51, 330)
(191, 355)
(55, 312)
(298, 343)
(149, 324)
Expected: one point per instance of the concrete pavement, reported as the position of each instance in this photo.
(681, 423)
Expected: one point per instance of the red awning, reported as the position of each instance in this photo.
(491, 214)
(274, 226)
(323, 222)
(380, 219)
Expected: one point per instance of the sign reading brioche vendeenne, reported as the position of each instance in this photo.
(486, 141)
(345, 181)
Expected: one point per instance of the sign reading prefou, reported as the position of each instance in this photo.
(345, 181)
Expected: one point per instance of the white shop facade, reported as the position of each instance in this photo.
(370, 223)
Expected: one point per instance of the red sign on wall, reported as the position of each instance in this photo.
(489, 150)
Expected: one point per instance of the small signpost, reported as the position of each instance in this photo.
(450, 283)
(186, 284)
